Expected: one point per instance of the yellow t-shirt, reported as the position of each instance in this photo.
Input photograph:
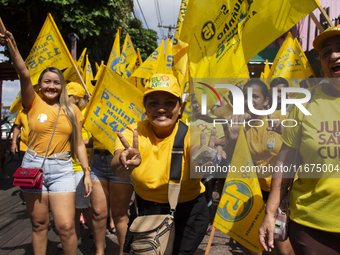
(263, 146)
(315, 202)
(97, 145)
(85, 134)
(41, 120)
(21, 120)
(151, 177)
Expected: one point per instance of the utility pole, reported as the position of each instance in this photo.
(73, 37)
(170, 34)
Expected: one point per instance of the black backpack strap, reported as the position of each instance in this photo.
(177, 152)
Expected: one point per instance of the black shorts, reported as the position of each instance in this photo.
(191, 222)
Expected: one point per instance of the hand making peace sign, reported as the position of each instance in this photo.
(130, 156)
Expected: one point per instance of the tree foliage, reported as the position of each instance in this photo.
(95, 22)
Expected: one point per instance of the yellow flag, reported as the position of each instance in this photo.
(169, 59)
(48, 50)
(180, 48)
(114, 105)
(114, 59)
(81, 59)
(241, 209)
(153, 64)
(97, 67)
(128, 53)
(266, 71)
(288, 64)
(304, 58)
(225, 34)
(99, 71)
(88, 75)
(136, 81)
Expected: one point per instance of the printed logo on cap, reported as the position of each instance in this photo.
(162, 81)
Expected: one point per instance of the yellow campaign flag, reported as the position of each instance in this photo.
(169, 59)
(153, 64)
(241, 208)
(225, 34)
(266, 71)
(304, 58)
(180, 48)
(136, 81)
(48, 50)
(81, 59)
(88, 75)
(115, 104)
(97, 66)
(130, 68)
(288, 64)
(70, 74)
(114, 59)
(128, 53)
(99, 71)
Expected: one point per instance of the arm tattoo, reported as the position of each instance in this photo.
(282, 186)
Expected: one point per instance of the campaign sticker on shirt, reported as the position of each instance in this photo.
(271, 142)
(42, 117)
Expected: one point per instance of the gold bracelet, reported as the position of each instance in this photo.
(87, 169)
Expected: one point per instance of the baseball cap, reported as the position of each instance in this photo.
(75, 89)
(329, 32)
(163, 82)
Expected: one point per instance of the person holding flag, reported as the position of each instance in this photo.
(58, 191)
(314, 225)
(264, 145)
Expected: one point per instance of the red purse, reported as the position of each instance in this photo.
(32, 178)
(29, 178)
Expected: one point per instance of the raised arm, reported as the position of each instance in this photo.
(27, 91)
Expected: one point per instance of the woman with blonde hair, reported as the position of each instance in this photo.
(58, 190)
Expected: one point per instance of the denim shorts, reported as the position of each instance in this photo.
(101, 169)
(81, 201)
(58, 174)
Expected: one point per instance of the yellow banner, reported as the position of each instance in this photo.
(114, 60)
(48, 50)
(114, 105)
(180, 48)
(225, 34)
(70, 74)
(169, 59)
(304, 58)
(241, 208)
(288, 63)
(153, 64)
(88, 75)
(128, 53)
(136, 81)
(81, 59)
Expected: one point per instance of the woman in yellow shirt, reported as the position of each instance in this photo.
(148, 161)
(314, 226)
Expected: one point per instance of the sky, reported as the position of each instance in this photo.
(169, 10)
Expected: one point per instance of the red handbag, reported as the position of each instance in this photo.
(29, 178)
(32, 178)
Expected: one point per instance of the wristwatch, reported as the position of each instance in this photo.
(87, 169)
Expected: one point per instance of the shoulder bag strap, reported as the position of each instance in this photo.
(175, 179)
(48, 146)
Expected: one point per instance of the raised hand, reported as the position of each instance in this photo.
(274, 125)
(130, 156)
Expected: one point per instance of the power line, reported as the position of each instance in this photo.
(142, 14)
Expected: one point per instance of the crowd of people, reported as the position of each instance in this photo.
(51, 123)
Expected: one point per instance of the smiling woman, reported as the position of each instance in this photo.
(144, 152)
(53, 110)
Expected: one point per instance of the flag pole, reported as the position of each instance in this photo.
(317, 23)
(210, 240)
(323, 12)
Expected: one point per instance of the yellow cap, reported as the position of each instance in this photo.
(163, 82)
(329, 32)
(75, 89)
